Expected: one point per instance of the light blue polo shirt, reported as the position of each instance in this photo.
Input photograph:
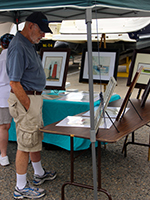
(24, 64)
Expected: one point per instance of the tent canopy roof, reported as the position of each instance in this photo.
(16, 11)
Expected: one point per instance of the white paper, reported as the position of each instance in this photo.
(77, 121)
(112, 111)
(79, 96)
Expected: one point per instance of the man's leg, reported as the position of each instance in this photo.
(22, 162)
(40, 175)
(21, 168)
(4, 160)
(35, 156)
(4, 139)
(23, 188)
(36, 163)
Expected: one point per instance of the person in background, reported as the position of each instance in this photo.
(27, 80)
(5, 117)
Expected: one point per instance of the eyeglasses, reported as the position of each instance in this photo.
(41, 32)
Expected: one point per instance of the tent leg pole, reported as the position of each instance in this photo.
(94, 170)
(90, 70)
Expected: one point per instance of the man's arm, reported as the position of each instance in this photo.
(20, 94)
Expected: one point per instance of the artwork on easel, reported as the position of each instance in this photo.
(105, 65)
(145, 94)
(55, 63)
(129, 92)
(140, 58)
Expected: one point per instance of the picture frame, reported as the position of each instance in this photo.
(129, 92)
(103, 105)
(55, 62)
(105, 65)
(140, 58)
(145, 94)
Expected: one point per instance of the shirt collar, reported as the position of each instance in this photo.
(25, 39)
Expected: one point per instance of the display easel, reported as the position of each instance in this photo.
(103, 40)
(124, 149)
(128, 95)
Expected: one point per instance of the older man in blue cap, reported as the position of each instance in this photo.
(27, 80)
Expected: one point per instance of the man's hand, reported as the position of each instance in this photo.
(20, 94)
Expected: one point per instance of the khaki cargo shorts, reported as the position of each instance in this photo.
(29, 138)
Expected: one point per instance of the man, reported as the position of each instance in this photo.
(27, 80)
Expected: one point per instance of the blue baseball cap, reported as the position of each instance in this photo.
(41, 20)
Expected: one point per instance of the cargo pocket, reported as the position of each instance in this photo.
(28, 138)
(13, 108)
(32, 117)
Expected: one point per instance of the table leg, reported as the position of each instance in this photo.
(71, 182)
(135, 143)
(149, 149)
(72, 160)
(99, 165)
(99, 173)
(125, 141)
(71, 170)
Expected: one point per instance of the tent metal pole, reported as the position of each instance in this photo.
(90, 70)
(16, 19)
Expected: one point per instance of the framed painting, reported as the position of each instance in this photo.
(140, 58)
(105, 65)
(55, 63)
(145, 94)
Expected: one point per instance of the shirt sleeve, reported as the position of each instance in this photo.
(15, 63)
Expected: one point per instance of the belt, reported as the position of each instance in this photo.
(31, 92)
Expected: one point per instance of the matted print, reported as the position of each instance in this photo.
(55, 63)
(105, 65)
(140, 58)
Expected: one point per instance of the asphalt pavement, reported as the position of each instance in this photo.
(124, 178)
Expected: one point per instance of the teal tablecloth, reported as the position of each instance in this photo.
(55, 110)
